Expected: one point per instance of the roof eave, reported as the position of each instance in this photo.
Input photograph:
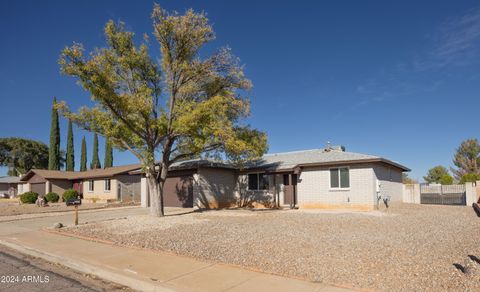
(356, 161)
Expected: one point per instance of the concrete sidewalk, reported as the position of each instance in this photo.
(147, 270)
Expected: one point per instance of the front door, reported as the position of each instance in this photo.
(290, 189)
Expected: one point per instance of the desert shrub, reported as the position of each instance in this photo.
(470, 177)
(70, 194)
(28, 198)
(446, 179)
(52, 197)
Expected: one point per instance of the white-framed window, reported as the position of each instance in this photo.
(257, 181)
(108, 185)
(90, 185)
(340, 178)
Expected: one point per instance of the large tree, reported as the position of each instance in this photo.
(108, 162)
(21, 155)
(83, 156)
(95, 160)
(435, 174)
(184, 107)
(467, 159)
(70, 159)
(54, 155)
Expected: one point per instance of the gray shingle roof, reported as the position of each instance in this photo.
(10, 179)
(289, 160)
(193, 163)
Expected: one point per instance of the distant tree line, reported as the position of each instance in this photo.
(466, 160)
(55, 156)
(20, 155)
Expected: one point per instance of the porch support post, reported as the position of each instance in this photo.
(144, 192)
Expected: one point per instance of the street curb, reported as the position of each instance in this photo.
(112, 276)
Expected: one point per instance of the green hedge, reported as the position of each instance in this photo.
(52, 197)
(70, 194)
(28, 198)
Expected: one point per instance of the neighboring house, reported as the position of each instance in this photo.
(10, 186)
(319, 178)
(109, 184)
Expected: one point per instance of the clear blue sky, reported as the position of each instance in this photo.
(396, 79)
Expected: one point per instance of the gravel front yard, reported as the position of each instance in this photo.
(414, 247)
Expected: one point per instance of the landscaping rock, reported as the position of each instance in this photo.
(413, 248)
(57, 225)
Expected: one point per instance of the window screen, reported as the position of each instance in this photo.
(262, 181)
(344, 178)
(253, 181)
(107, 184)
(339, 177)
(334, 178)
(257, 181)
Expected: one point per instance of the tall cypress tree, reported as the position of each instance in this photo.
(95, 160)
(108, 154)
(70, 166)
(83, 157)
(54, 150)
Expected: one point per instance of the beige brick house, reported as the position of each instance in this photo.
(318, 178)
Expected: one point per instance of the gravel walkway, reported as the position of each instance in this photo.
(414, 247)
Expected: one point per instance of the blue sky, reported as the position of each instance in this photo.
(396, 79)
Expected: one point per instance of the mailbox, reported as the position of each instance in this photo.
(74, 202)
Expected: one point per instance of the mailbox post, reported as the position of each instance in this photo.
(75, 203)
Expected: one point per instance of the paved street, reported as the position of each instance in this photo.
(23, 273)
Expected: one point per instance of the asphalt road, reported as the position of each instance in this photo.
(23, 273)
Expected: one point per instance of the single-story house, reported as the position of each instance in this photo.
(318, 178)
(10, 186)
(105, 184)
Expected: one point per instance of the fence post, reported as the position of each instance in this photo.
(441, 194)
(470, 193)
(416, 194)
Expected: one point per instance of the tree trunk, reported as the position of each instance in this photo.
(156, 189)
(154, 193)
